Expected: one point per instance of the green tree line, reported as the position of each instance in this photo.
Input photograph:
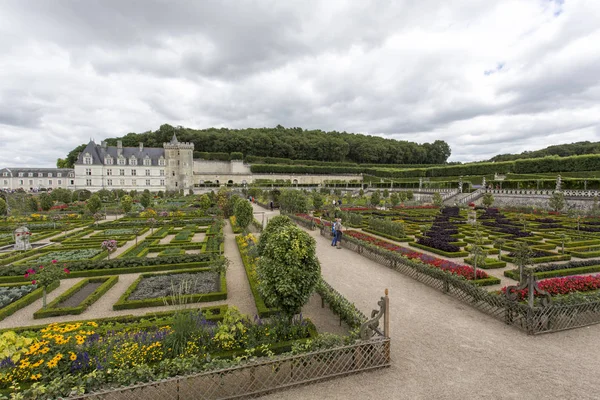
(562, 150)
(292, 143)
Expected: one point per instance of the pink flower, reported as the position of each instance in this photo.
(54, 261)
(26, 274)
(67, 271)
(41, 267)
(33, 282)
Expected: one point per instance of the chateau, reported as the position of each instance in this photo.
(171, 167)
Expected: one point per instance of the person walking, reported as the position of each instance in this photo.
(339, 228)
(333, 233)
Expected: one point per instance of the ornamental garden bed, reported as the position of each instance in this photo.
(454, 254)
(186, 286)
(557, 270)
(78, 298)
(66, 256)
(490, 263)
(539, 256)
(564, 286)
(26, 300)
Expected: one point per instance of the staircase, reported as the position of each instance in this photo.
(463, 198)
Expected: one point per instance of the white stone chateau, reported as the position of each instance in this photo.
(171, 167)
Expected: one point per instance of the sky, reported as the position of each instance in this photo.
(487, 77)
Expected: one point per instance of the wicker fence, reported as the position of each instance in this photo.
(531, 319)
(260, 377)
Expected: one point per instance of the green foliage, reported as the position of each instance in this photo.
(395, 229)
(13, 346)
(437, 199)
(3, 207)
(318, 201)
(45, 201)
(94, 204)
(563, 150)
(375, 198)
(488, 200)
(557, 201)
(394, 199)
(126, 203)
(288, 269)
(146, 199)
(293, 201)
(410, 195)
(273, 225)
(205, 202)
(522, 256)
(244, 213)
(62, 195)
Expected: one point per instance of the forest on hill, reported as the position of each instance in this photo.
(292, 143)
(562, 150)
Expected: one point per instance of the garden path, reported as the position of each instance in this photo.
(444, 349)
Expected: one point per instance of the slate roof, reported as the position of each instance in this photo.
(14, 172)
(99, 153)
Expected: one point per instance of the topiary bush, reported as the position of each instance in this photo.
(274, 224)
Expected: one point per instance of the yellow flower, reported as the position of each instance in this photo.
(45, 350)
(72, 356)
(35, 377)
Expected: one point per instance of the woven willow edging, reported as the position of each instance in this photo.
(533, 320)
(261, 376)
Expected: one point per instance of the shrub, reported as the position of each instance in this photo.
(288, 269)
(274, 224)
(126, 203)
(243, 212)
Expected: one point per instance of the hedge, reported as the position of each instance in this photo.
(558, 257)
(397, 239)
(26, 300)
(346, 310)
(490, 263)
(124, 304)
(52, 309)
(440, 252)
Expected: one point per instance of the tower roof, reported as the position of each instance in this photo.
(174, 139)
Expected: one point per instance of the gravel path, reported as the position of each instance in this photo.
(444, 349)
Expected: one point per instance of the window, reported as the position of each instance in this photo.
(58, 175)
(121, 172)
(49, 182)
(147, 182)
(49, 174)
(31, 182)
(122, 182)
(40, 174)
(133, 172)
(147, 172)
(5, 182)
(20, 174)
(40, 182)
(162, 172)
(88, 171)
(173, 173)
(162, 182)
(72, 181)
(121, 161)
(88, 182)
(30, 174)
(108, 160)
(87, 159)
(21, 182)
(109, 171)
(5, 174)
(133, 161)
(161, 162)
(133, 183)
(147, 161)
(109, 182)
(60, 181)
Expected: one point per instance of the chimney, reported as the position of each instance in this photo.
(141, 146)
(103, 144)
(119, 147)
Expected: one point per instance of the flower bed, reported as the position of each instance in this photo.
(9, 294)
(25, 300)
(461, 270)
(65, 256)
(564, 285)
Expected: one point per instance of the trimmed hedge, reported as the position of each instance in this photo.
(440, 252)
(397, 239)
(26, 300)
(124, 304)
(565, 257)
(52, 309)
(490, 263)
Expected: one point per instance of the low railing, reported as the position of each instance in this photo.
(545, 192)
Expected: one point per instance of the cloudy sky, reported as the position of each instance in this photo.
(487, 77)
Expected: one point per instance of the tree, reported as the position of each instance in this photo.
(394, 199)
(386, 194)
(288, 270)
(146, 199)
(62, 195)
(274, 224)
(293, 201)
(557, 201)
(205, 202)
(410, 195)
(94, 203)
(126, 203)
(32, 204)
(375, 198)
(522, 257)
(105, 195)
(361, 193)
(317, 201)
(499, 243)
(46, 202)
(488, 200)
(3, 207)
(437, 199)
(244, 213)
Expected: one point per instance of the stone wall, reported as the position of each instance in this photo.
(537, 201)
(208, 167)
(224, 178)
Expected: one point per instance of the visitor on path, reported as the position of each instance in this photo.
(333, 233)
(339, 228)
(271, 206)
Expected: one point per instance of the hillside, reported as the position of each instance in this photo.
(562, 150)
(292, 143)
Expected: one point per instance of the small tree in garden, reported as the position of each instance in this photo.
(244, 213)
(499, 243)
(437, 199)
(293, 201)
(563, 239)
(94, 203)
(488, 200)
(274, 224)
(361, 193)
(126, 203)
(394, 199)
(522, 257)
(46, 202)
(3, 207)
(410, 195)
(146, 199)
(386, 194)
(110, 246)
(97, 217)
(557, 201)
(288, 269)
(46, 276)
(478, 257)
(151, 222)
(205, 202)
(32, 203)
(317, 201)
(402, 196)
(375, 198)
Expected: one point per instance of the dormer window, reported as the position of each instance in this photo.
(147, 161)
(133, 161)
(121, 160)
(161, 162)
(108, 160)
(87, 158)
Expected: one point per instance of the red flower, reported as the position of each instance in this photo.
(67, 271)
(33, 282)
(26, 275)
(41, 267)
(54, 261)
